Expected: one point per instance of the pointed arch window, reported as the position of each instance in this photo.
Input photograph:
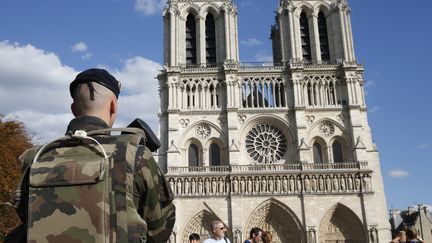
(317, 153)
(323, 37)
(193, 155)
(337, 152)
(215, 155)
(305, 37)
(210, 40)
(191, 50)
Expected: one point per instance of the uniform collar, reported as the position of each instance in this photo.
(86, 123)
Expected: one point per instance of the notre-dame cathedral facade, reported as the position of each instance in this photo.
(284, 146)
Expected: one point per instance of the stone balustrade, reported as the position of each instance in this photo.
(270, 179)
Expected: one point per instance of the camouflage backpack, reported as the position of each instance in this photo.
(81, 189)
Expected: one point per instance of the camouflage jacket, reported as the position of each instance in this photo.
(152, 195)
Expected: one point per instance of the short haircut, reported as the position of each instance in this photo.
(194, 236)
(411, 233)
(214, 223)
(254, 231)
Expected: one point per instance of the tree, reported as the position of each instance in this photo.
(14, 140)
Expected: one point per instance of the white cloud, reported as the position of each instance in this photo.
(34, 88)
(373, 109)
(398, 173)
(87, 56)
(425, 146)
(149, 7)
(262, 56)
(79, 47)
(251, 42)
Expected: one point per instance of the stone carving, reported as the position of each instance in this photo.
(186, 189)
(310, 119)
(237, 236)
(193, 189)
(326, 128)
(203, 131)
(312, 235)
(184, 122)
(221, 186)
(266, 144)
(373, 234)
(242, 118)
(366, 183)
(269, 185)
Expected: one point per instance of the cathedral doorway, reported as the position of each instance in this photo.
(277, 218)
(341, 225)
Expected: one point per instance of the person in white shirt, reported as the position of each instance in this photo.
(217, 233)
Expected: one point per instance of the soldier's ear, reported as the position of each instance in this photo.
(74, 110)
(113, 107)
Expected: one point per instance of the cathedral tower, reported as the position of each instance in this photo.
(285, 147)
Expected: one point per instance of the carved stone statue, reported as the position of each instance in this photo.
(257, 182)
(285, 184)
(186, 189)
(313, 184)
(278, 185)
(307, 184)
(235, 185)
(221, 186)
(321, 184)
(193, 188)
(335, 184)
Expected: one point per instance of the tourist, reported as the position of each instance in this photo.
(267, 237)
(255, 235)
(194, 238)
(217, 233)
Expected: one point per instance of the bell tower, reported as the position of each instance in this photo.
(200, 49)
(200, 33)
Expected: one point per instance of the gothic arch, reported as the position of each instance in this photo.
(345, 148)
(223, 148)
(199, 224)
(191, 8)
(189, 133)
(188, 146)
(304, 7)
(279, 219)
(322, 153)
(338, 129)
(341, 224)
(322, 6)
(209, 8)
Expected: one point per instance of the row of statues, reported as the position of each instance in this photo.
(250, 185)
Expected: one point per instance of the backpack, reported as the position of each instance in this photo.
(81, 189)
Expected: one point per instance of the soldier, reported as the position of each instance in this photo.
(95, 93)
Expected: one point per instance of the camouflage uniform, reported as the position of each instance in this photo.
(151, 194)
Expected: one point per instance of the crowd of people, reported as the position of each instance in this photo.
(257, 235)
(218, 230)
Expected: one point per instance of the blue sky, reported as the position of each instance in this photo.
(43, 44)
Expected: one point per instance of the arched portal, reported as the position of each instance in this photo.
(277, 218)
(200, 224)
(341, 224)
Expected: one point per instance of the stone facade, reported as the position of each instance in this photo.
(284, 146)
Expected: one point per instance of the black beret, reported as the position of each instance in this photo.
(100, 76)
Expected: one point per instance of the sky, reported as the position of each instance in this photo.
(45, 43)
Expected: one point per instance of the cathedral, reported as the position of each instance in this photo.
(284, 146)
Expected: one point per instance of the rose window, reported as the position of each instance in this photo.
(266, 144)
(327, 129)
(203, 130)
